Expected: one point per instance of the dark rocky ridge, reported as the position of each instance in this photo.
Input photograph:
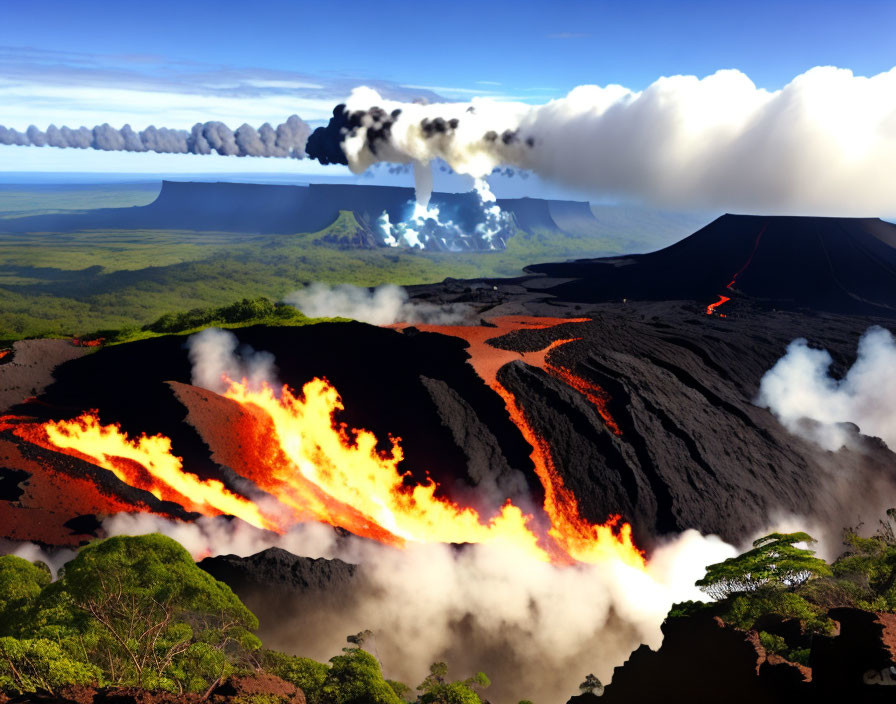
(845, 265)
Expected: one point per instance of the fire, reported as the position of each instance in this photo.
(574, 536)
(319, 469)
(143, 463)
(346, 466)
(3, 353)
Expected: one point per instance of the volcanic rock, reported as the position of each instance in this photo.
(702, 661)
(846, 265)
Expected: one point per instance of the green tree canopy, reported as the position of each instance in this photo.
(774, 560)
(872, 563)
(146, 615)
(20, 584)
(355, 677)
(436, 689)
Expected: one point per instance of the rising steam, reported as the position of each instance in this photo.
(382, 305)
(217, 356)
(803, 395)
(824, 143)
(536, 628)
(287, 140)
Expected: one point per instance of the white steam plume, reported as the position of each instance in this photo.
(382, 305)
(287, 140)
(825, 143)
(535, 628)
(799, 389)
(52, 558)
(218, 356)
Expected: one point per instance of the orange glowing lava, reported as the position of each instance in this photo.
(711, 308)
(316, 468)
(144, 463)
(574, 536)
(3, 353)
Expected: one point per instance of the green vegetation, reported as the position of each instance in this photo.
(777, 580)
(138, 612)
(21, 200)
(74, 283)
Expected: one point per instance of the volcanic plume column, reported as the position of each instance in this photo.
(423, 183)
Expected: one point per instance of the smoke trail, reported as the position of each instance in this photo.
(383, 305)
(286, 141)
(479, 608)
(799, 389)
(824, 143)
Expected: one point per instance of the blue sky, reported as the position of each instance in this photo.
(173, 62)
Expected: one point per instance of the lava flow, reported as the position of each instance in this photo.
(143, 463)
(710, 309)
(574, 536)
(319, 469)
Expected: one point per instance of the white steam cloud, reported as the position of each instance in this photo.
(825, 143)
(536, 628)
(808, 401)
(382, 305)
(218, 356)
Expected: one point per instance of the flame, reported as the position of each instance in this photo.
(345, 465)
(574, 536)
(96, 342)
(320, 469)
(143, 463)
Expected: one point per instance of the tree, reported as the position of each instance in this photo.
(20, 584)
(355, 678)
(774, 560)
(872, 563)
(28, 665)
(305, 673)
(142, 611)
(592, 685)
(402, 691)
(436, 689)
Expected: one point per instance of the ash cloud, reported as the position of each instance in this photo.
(383, 305)
(217, 356)
(478, 608)
(824, 143)
(287, 140)
(811, 403)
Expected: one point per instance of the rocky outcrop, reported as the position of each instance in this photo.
(704, 660)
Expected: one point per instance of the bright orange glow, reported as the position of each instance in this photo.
(346, 466)
(295, 449)
(710, 309)
(575, 537)
(144, 463)
(97, 342)
(3, 353)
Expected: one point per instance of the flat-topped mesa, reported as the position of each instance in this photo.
(286, 209)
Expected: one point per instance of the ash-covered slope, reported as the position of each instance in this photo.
(845, 265)
(692, 450)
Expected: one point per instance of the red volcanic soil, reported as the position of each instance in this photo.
(28, 369)
(52, 492)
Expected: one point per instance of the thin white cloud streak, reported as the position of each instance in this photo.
(809, 402)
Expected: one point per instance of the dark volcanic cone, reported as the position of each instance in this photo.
(845, 265)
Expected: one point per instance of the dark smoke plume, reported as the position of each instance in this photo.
(286, 141)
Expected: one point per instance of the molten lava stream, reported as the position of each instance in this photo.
(711, 308)
(347, 467)
(143, 463)
(575, 537)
